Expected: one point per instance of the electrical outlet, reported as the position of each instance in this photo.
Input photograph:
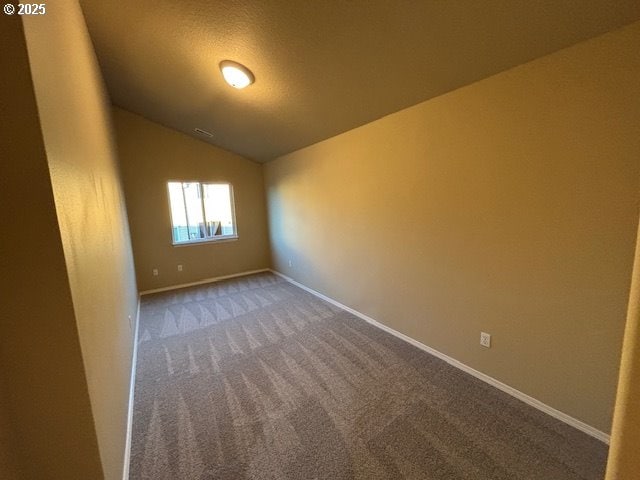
(130, 323)
(290, 263)
(485, 339)
(179, 268)
(155, 272)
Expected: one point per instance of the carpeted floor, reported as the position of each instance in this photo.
(254, 378)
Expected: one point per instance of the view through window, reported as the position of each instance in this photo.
(201, 211)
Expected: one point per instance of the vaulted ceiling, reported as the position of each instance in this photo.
(322, 66)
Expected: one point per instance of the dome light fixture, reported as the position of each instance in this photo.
(236, 75)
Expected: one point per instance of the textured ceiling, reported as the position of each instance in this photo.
(322, 66)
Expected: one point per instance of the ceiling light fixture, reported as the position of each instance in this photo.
(236, 75)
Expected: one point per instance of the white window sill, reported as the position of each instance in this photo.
(205, 241)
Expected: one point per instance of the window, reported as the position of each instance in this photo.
(201, 212)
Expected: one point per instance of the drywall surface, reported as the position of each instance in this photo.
(9, 460)
(50, 433)
(624, 461)
(321, 67)
(75, 119)
(150, 156)
(508, 206)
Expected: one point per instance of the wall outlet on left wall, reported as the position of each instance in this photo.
(179, 268)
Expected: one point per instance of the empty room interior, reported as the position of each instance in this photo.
(329, 239)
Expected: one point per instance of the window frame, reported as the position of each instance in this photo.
(201, 241)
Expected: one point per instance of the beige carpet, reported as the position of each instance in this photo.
(254, 378)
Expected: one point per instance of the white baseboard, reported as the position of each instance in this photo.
(569, 420)
(201, 282)
(132, 383)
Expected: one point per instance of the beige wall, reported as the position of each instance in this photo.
(150, 156)
(508, 206)
(76, 126)
(46, 399)
(624, 461)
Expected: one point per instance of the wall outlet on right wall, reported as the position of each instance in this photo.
(485, 339)
(290, 263)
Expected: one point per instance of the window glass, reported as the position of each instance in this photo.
(217, 207)
(201, 211)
